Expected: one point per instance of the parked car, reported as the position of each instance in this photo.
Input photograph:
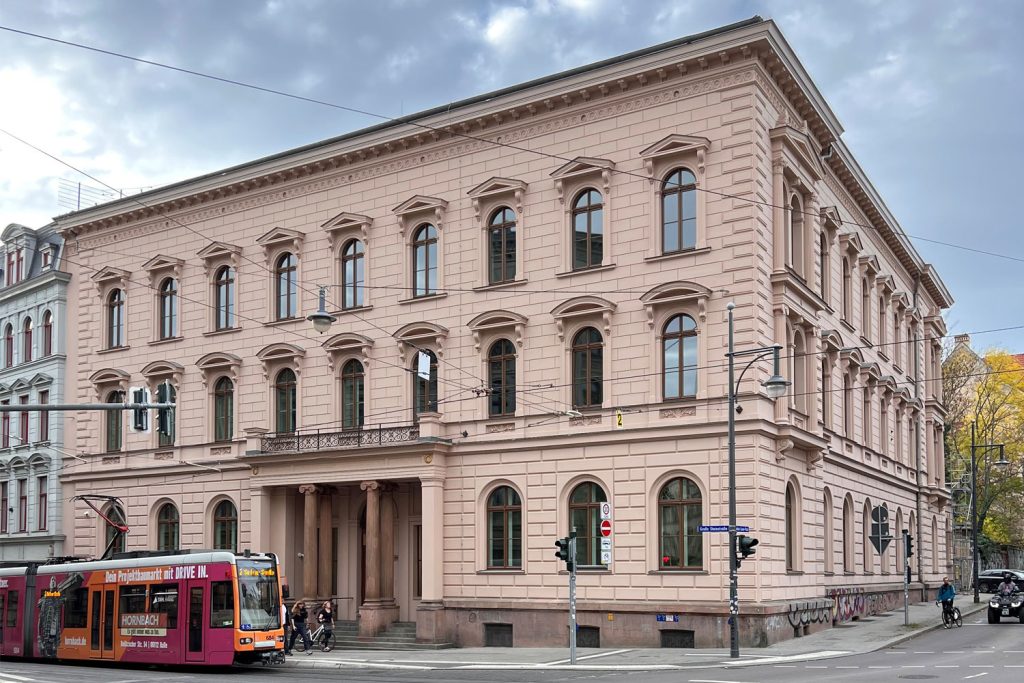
(990, 579)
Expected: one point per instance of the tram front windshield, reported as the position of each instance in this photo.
(260, 608)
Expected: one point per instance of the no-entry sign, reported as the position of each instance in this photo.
(606, 527)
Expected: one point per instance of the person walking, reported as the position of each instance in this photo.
(326, 618)
(300, 626)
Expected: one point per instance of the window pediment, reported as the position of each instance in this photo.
(20, 384)
(830, 218)
(159, 369)
(41, 379)
(219, 362)
(787, 139)
(108, 275)
(345, 343)
(497, 320)
(218, 251)
(889, 383)
(582, 306)
(901, 300)
(871, 371)
(675, 293)
(831, 339)
(583, 167)
(886, 284)
(280, 352)
(870, 264)
(494, 188)
(673, 146)
(416, 334)
(109, 376)
(421, 207)
(851, 242)
(4, 389)
(162, 262)
(281, 237)
(346, 223)
(853, 357)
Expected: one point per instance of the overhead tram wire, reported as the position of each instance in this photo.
(408, 120)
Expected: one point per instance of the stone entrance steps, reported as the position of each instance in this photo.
(400, 635)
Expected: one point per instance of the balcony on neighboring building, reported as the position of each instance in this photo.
(321, 440)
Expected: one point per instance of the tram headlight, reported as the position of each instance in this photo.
(245, 641)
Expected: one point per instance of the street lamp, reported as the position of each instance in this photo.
(1001, 462)
(321, 320)
(774, 386)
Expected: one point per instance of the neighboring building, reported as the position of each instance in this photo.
(581, 271)
(33, 301)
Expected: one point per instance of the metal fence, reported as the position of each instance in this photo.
(317, 440)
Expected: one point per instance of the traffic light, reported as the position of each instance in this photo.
(140, 416)
(910, 545)
(563, 552)
(745, 547)
(164, 419)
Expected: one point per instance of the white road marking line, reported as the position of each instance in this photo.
(879, 667)
(953, 652)
(912, 666)
(15, 678)
(379, 665)
(947, 666)
(599, 654)
(924, 652)
(983, 673)
(847, 667)
(981, 666)
(709, 680)
(1013, 652)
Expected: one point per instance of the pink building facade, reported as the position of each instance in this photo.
(561, 254)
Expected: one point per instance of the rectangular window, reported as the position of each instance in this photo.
(133, 599)
(11, 619)
(44, 417)
(19, 265)
(46, 258)
(10, 267)
(41, 504)
(222, 605)
(418, 587)
(3, 507)
(23, 437)
(23, 505)
(5, 430)
(76, 608)
(163, 599)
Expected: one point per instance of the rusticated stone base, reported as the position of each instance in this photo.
(374, 618)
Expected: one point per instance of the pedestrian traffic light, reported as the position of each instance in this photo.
(563, 552)
(910, 545)
(745, 547)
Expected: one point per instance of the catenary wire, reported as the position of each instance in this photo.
(454, 133)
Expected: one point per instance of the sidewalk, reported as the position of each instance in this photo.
(859, 637)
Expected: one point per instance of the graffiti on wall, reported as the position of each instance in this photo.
(853, 602)
(812, 612)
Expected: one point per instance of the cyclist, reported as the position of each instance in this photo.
(946, 595)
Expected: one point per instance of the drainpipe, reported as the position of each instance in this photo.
(917, 442)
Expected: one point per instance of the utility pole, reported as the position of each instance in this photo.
(572, 597)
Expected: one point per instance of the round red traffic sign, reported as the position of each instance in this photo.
(606, 527)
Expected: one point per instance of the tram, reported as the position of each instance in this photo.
(208, 608)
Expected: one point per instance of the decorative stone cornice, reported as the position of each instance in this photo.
(495, 188)
(583, 306)
(675, 146)
(347, 223)
(219, 361)
(676, 293)
(417, 208)
(583, 167)
(345, 343)
(497, 320)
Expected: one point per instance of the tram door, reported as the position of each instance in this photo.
(196, 622)
(101, 621)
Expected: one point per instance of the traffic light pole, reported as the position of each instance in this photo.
(906, 578)
(572, 597)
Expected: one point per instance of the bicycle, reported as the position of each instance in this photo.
(951, 617)
(316, 637)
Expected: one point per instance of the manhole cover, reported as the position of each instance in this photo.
(916, 677)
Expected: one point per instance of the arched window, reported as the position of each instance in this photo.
(26, 341)
(848, 406)
(847, 291)
(883, 422)
(587, 368)
(352, 396)
(867, 415)
(8, 345)
(115, 319)
(113, 422)
(286, 286)
(897, 344)
(829, 521)
(353, 266)
(224, 295)
(826, 392)
(679, 353)
(501, 372)
(868, 558)
(225, 526)
(881, 321)
(865, 308)
(169, 308)
(680, 515)
(679, 211)
(898, 435)
(424, 259)
(501, 246)
(848, 534)
(110, 534)
(823, 266)
(284, 401)
(935, 545)
(587, 230)
(424, 390)
(792, 529)
(796, 237)
(504, 529)
(585, 516)
(167, 523)
(47, 334)
(223, 409)
(165, 393)
(801, 399)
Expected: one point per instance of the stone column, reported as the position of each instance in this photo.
(309, 562)
(387, 546)
(371, 614)
(430, 614)
(324, 588)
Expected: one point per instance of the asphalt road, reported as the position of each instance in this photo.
(976, 652)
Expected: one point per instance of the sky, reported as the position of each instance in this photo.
(928, 92)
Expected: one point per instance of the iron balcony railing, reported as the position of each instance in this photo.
(318, 440)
